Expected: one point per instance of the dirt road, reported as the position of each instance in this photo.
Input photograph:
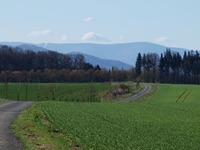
(8, 112)
(144, 91)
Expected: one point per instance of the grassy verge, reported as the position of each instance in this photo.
(154, 90)
(37, 133)
(135, 91)
(3, 100)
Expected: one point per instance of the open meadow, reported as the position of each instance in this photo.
(168, 119)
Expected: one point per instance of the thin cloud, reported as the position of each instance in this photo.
(88, 19)
(65, 38)
(39, 33)
(91, 36)
(121, 37)
(163, 40)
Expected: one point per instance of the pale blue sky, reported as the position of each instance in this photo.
(166, 22)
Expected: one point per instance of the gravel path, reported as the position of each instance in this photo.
(141, 93)
(8, 112)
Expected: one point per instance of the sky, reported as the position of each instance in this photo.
(174, 23)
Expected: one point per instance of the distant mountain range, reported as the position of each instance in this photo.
(105, 63)
(125, 52)
(106, 55)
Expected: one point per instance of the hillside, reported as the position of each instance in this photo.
(105, 63)
(31, 47)
(124, 52)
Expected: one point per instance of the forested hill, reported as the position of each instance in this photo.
(16, 59)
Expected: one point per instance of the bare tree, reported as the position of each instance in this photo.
(53, 88)
(92, 92)
(27, 79)
(5, 75)
(18, 75)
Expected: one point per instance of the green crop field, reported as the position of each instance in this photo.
(57, 91)
(181, 94)
(170, 119)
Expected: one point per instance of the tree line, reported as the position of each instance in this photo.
(16, 59)
(17, 65)
(169, 67)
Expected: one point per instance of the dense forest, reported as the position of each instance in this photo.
(17, 65)
(170, 67)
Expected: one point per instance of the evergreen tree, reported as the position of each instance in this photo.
(161, 68)
(138, 65)
(168, 60)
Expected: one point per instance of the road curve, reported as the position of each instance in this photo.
(141, 93)
(8, 112)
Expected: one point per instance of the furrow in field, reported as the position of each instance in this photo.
(189, 92)
(181, 95)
